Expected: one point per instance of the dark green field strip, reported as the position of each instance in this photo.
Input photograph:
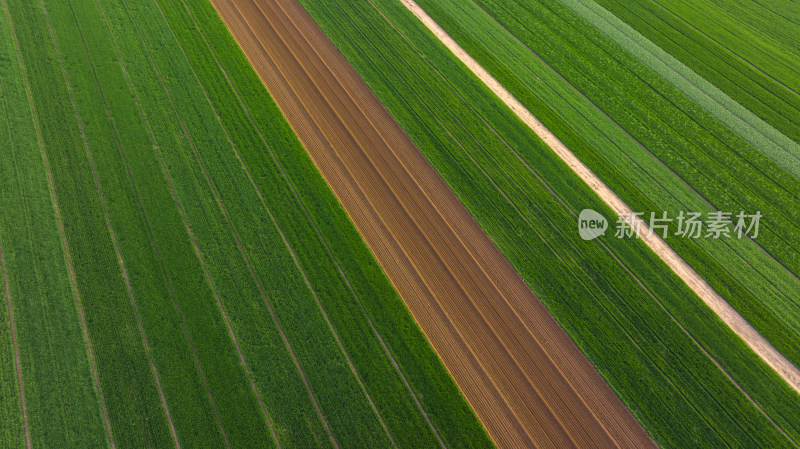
(322, 277)
(12, 433)
(229, 385)
(268, 359)
(376, 301)
(744, 83)
(538, 235)
(126, 379)
(187, 398)
(199, 309)
(768, 300)
(61, 398)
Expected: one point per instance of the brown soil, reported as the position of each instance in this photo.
(524, 377)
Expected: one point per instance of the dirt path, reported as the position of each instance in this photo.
(526, 380)
(728, 314)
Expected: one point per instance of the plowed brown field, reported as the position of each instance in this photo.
(527, 381)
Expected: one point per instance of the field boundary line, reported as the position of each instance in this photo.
(782, 366)
(111, 232)
(62, 233)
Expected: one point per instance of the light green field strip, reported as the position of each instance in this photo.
(741, 120)
(61, 397)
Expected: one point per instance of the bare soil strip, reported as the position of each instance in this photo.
(712, 299)
(525, 378)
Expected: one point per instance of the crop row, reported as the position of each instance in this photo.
(622, 316)
(649, 185)
(745, 83)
